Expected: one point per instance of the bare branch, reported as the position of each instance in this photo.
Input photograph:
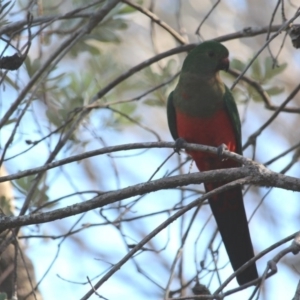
(264, 95)
(156, 19)
(253, 137)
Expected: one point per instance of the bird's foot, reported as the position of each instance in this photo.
(220, 152)
(178, 144)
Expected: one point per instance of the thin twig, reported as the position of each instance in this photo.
(253, 137)
(156, 19)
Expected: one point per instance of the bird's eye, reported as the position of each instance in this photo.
(211, 53)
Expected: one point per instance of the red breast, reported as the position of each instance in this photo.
(212, 131)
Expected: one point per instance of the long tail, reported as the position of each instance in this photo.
(229, 212)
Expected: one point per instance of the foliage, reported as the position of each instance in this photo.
(264, 72)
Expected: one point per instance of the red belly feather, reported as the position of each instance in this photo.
(212, 131)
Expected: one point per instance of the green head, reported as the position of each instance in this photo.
(206, 59)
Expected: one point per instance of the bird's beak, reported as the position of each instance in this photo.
(224, 64)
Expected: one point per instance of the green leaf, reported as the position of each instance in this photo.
(275, 90)
(6, 206)
(92, 49)
(170, 67)
(271, 72)
(237, 64)
(126, 109)
(104, 35)
(57, 77)
(40, 194)
(115, 24)
(32, 66)
(256, 69)
(153, 102)
(3, 296)
(126, 9)
(254, 94)
(238, 94)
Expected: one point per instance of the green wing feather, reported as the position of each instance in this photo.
(232, 110)
(171, 114)
(230, 107)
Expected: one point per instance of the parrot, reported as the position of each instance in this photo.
(201, 109)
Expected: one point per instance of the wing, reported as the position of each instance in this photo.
(233, 113)
(171, 114)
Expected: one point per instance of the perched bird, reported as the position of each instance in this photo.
(202, 110)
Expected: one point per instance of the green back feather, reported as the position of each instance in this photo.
(171, 114)
(232, 110)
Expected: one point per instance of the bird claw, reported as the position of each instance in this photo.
(178, 145)
(220, 151)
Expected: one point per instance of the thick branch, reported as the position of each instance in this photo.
(256, 174)
(131, 191)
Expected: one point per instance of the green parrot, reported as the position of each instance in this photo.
(202, 110)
